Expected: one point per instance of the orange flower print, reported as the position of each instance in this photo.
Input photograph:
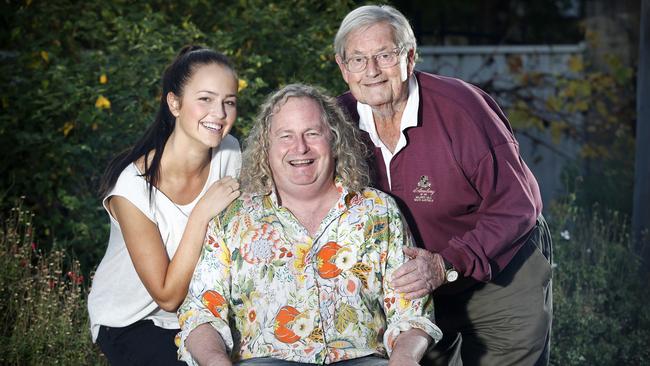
(213, 301)
(388, 302)
(283, 320)
(349, 286)
(252, 315)
(326, 266)
(213, 243)
(285, 252)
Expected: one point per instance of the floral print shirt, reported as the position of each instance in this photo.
(272, 290)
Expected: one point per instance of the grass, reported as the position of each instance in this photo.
(601, 315)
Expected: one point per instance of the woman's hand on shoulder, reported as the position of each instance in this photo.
(220, 194)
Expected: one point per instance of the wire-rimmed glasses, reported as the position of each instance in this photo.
(384, 60)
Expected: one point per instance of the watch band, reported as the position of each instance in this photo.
(451, 273)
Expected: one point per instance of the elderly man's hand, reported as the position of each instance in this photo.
(421, 275)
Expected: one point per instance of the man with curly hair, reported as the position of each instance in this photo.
(297, 270)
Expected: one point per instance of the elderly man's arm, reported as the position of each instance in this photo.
(207, 347)
(410, 347)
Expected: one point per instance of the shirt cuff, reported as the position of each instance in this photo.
(420, 322)
(192, 320)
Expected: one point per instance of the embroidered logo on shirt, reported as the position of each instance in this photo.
(423, 191)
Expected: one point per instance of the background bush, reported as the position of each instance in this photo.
(42, 300)
(80, 82)
(600, 296)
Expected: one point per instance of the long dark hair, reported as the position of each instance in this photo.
(176, 75)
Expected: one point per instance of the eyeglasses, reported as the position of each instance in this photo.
(384, 60)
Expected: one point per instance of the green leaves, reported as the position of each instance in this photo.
(61, 125)
(345, 316)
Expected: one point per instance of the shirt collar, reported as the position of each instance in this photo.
(346, 199)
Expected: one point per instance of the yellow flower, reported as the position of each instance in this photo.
(224, 257)
(67, 127)
(103, 79)
(300, 255)
(184, 316)
(243, 84)
(403, 302)
(576, 64)
(102, 102)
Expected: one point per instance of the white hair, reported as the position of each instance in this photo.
(368, 15)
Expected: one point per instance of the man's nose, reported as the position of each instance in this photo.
(372, 68)
(301, 145)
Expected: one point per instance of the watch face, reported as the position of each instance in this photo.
(452, 275)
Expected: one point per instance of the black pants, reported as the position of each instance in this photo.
(141, 343)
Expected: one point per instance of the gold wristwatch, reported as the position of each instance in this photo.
(451, 274)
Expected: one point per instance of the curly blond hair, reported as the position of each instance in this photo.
(350, 153)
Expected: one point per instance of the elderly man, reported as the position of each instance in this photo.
(297, 270)
(447, 153)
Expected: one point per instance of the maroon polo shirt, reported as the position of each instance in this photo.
(460, 182)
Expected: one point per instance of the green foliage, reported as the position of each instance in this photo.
(42, 301)
(591, 107)
(596, 111)
(80, 82)
(600, 299)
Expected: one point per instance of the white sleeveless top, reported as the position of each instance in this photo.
(118, 297)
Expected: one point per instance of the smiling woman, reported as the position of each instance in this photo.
(160, 195)
(209, 98)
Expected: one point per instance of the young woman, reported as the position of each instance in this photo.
(160, 195)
